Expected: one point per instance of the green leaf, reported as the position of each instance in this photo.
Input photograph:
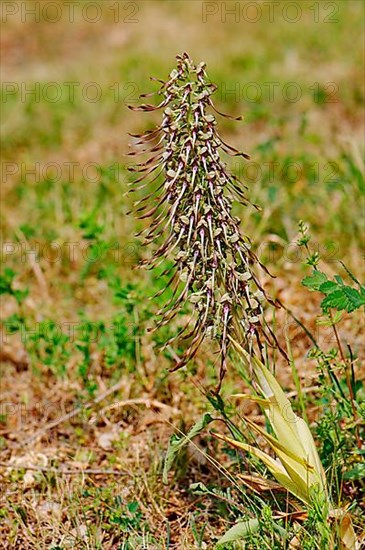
(176, 443)
(344, 298)
(314, 281)
(6, 281)
(328, 287)
(240, 531)
(6, 285)
(354, 297)
(329, 321)
(338, 295)
(199, 489)
(356, 473)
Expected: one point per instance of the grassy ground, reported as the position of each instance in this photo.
(88, 403)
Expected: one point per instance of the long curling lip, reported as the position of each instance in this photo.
(189, 196)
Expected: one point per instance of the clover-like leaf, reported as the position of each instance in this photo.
(314, 281)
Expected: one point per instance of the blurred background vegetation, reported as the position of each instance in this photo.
(75, 312)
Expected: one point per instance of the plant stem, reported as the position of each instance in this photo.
(348, 380)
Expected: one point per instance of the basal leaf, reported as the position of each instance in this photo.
(240, 531)
(176, 443)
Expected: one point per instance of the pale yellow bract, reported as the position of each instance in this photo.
(297, 467)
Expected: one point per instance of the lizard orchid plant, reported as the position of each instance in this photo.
(192, 221)
(189, 197)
